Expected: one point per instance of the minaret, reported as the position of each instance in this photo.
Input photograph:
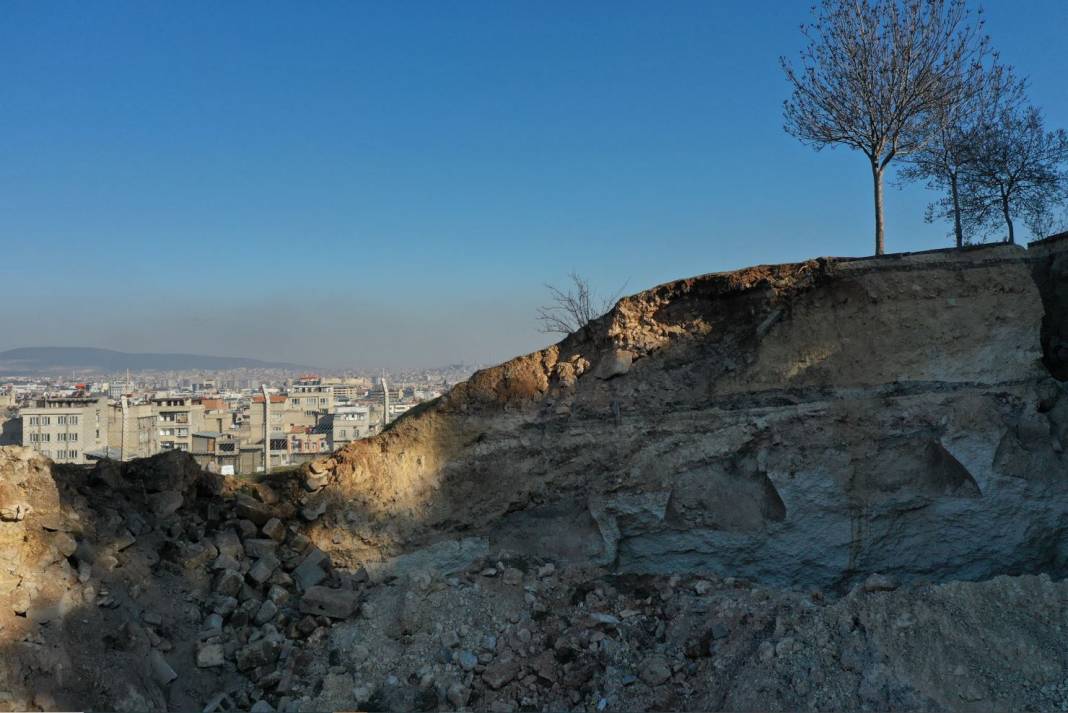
(385, 402)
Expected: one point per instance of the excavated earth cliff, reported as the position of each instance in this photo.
(800, 425)
(832, 485)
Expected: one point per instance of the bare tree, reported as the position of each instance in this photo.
(943, 162)
(875, 74)
(1018, 168)
(1047, 220)
(572, 309)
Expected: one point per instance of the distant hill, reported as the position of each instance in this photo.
(39, 360)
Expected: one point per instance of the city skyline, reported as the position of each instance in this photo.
(366, 185)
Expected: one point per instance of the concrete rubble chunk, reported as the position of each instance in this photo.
(274, 529)
(229, 582)
(260, 653)
(262, 547)
(251, 509)
(312, 569)
(210, 656)
(228, 543)
(65, 544)
(262, 570)
(165, 503)
(879, 583)
(615, 363)
(654, 670)
(334, 603)
(225, 562)
(161, 670)
(500, 672)
(266, 612)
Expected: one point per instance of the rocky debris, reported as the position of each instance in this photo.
(334, 603)
(312, 569)
(615, 363)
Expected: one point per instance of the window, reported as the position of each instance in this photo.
(72, 436)
(72, 420)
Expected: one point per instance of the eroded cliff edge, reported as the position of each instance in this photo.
(802, 424)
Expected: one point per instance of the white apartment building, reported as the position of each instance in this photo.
(66, 428)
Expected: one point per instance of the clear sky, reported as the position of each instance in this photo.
(389, 183)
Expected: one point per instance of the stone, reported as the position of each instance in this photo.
(123, 541)
(65, 544)
(263, 569)
(277, 594)
(165, 503)
(879, 583)
(261, 706)
(225, 605)
(161, 670)
(312, 569)
(274, 529)
(226, 562)
(500, 672)
(266, 612)
(313, 510)
(654, 670)
(458, 695)
(265, 493)
(467, 660)
(334, 603)
(229, 582)
(210, 656)
(616, 363)
(252, 509)
(228, 543)
(260, 653)
(256, 548)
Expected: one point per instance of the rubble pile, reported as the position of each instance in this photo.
(155, 585)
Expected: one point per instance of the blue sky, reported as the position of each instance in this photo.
(367, 184)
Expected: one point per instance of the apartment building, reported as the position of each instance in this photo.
(218, 416)
(349, 389)
(179, 418)
(133, 430)
(66, 428)
(311, 395)
(351, 423)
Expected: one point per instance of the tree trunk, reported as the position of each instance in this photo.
(957, 229)
(877, 178)
(1008, 217)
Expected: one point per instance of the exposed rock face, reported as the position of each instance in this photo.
(800, 424)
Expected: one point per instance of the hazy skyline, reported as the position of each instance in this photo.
(357, 184)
